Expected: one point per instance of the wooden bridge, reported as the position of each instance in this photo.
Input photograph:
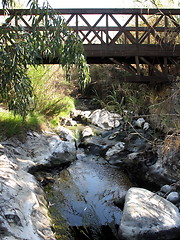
(144, 42)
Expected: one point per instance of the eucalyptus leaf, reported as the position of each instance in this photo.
(20, 48)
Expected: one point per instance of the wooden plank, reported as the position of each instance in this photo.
(125, 66)
(70, 18)
(131, 29)
(152, 67)
(137, 26)
(76, 25)
(137, 65)
(107, 30)
(124, 11)
(91, 27)
(128, 50)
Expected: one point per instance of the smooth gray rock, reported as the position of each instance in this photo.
(148, 216)
(173, 197)
(166, 188)
(47, 149)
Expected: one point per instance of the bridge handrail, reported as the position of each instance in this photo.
(58, 11)
(136, 28)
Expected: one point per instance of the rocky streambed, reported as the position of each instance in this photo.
(107, 180)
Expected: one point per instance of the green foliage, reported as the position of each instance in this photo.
(11, 125)
(51, 92)
(113, 100)
(20, 48)
(116, 96)
(15, 55)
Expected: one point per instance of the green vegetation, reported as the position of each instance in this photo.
(158, 104)
(51, 91)
(11, 125)
(33, 92)
(108, 92)
(20, 48)
(51, 101)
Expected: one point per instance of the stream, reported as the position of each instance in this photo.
(99, 179)
(83, 194)
(86, 196)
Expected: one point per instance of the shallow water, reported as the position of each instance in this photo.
(83, 194)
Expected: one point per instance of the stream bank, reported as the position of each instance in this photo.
(86, 180)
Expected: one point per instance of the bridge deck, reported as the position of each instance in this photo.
(136, 39)
(128, 52)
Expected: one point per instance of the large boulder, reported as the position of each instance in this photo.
(23, 208)
(148, 216)
(48, 149)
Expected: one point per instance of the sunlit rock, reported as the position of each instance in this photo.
(105, 119)
(50, 150)
(65, 134)
(87, 132)
(146, 126)
(148, 216)
(139, 122)
(66, 121)
(118, 147)
(23, 207)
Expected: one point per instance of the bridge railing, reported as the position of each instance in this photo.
(111, 26)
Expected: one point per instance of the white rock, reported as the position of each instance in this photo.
(23, 211)
(146, 126)
(74, 113)
(173, 197)
(87, 132)
(66, 121)
(132, 156)
(148, 216)
(115, 149)
(139, 122)
(105, 119)
(86, 114)
(65, 134)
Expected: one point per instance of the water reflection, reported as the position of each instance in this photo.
(83, 194)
